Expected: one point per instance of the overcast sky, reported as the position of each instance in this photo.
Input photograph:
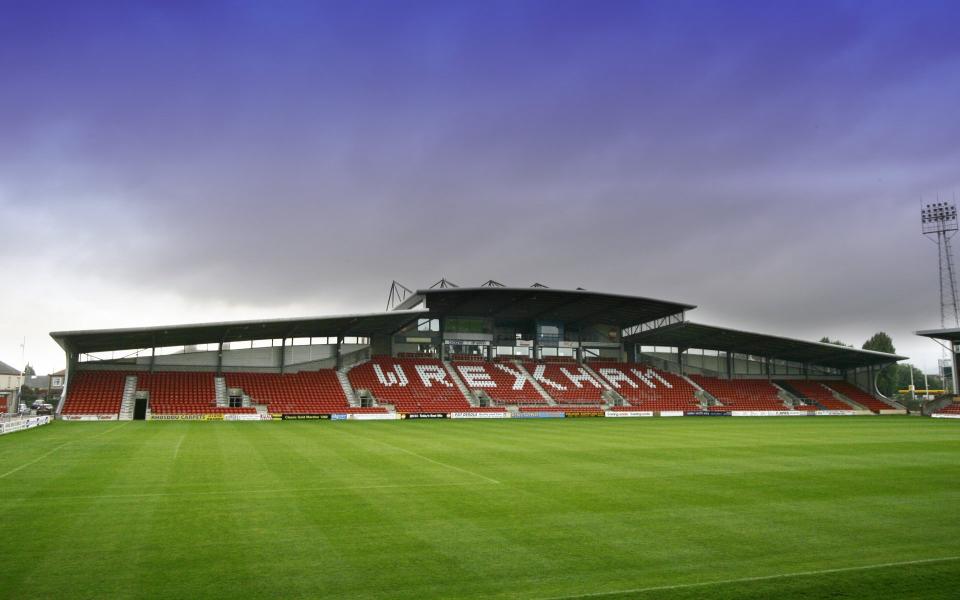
(175, 162)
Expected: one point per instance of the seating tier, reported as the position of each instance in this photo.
(505, 383)
(95, 393)
(175, 392)
(412, 385)
(568, 383)
(647, 388)
(742, 394)
(814, 391)
(306, 392)
(859, 396)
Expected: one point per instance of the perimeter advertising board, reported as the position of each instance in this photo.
(314, 417)
(246, 417)
(768, 413)
(628, 413)
(576, 414)
(90, 417)
(204, 417)
(22, 424)
(479, 415)
(546, 414)
(372, 417)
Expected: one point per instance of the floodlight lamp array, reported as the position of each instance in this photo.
(939, 216)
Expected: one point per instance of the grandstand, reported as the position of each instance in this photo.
(948, 404)
(488, 351)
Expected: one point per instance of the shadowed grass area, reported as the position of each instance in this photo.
(750, 508)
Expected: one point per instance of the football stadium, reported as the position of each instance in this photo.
(483, 442)
(451, 352)
(688, 210)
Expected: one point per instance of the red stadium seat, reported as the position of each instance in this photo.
(646, 388)
(504, 382)
(950, 409)
(567, 382)
(184, 393)
(95, 393)
(814, 391)
(859, 396)
(742, 394)
(306, 392)
(412, 385)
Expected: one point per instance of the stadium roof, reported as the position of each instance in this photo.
(694, 335)
(570, 306)
(362, 325)
(950, 335)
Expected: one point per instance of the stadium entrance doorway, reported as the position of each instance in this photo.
(140, 409)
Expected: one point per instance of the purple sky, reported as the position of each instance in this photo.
(174, 162)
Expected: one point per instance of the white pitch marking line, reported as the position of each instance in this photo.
(34, 461)
(442, 464)
(428, 459)
(680, 586)
(176, 451)
(43, 456)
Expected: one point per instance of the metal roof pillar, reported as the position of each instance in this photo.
(153, 357)
(442, 350)
(67, 375)
(953, 368)
(220, 358)
(283, 354)
(729, 365)
(338, 352)
(681, 363)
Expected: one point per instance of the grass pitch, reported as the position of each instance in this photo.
(839, 507)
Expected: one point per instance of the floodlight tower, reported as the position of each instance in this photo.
(939, 221)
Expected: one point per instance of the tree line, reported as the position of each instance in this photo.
(893, 377)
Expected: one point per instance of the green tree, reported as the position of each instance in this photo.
(934, 382)
(827, 340)
(27, 394)
(887, 379)
(903, 377)
(28, 371)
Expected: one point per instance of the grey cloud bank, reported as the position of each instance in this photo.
(769, 169)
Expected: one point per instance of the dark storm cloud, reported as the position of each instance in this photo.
(762, 160)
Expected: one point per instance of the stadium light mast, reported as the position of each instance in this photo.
(939, 222)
